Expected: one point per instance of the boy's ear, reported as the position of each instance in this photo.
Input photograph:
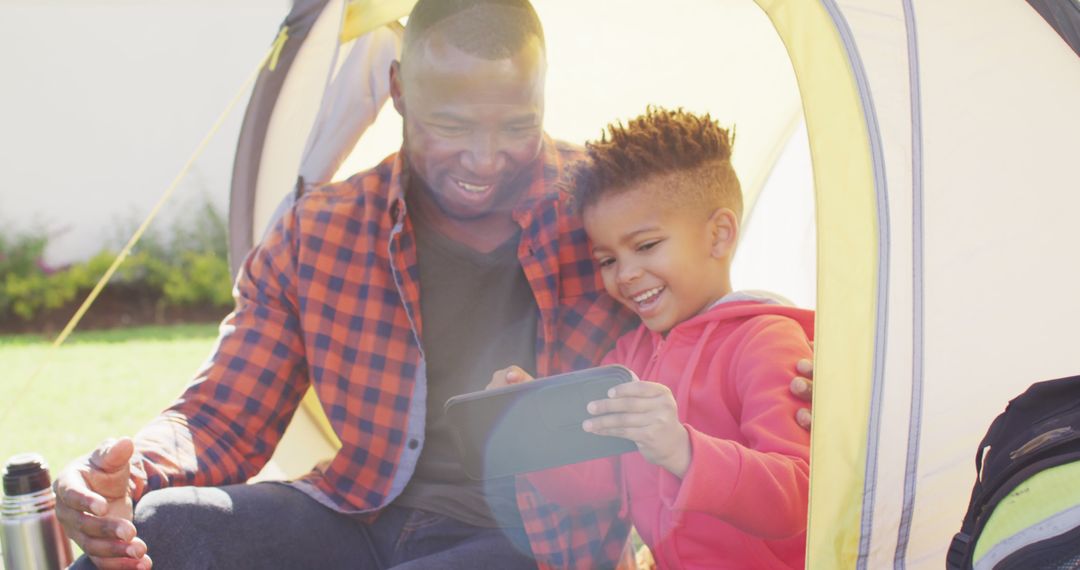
(724, 232)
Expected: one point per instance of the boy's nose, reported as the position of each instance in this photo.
(627, 273)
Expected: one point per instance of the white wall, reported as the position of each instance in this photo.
(102, 102)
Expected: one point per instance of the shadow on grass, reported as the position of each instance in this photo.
(128, 334)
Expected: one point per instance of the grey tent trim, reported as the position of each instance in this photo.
(881, 332)
(1064, 17)
(917, 302)
(249, 146)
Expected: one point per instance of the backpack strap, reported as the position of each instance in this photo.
(959, 554)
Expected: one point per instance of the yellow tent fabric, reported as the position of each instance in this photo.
(942, 137)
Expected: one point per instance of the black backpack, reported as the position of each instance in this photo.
(1028, 472)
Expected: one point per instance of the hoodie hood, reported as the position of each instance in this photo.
(741, 305)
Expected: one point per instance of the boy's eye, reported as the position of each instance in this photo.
(648, 245)
(605, 261)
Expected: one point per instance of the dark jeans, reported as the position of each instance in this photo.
(269, 525)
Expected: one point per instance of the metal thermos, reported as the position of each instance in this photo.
(32, 537)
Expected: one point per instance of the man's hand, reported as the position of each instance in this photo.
(803, 388)
(645, 413)
(93, 503)
(508, 376)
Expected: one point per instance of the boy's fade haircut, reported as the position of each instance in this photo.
(661, 142)
(488, 29)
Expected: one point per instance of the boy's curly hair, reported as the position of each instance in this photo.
(693, 148)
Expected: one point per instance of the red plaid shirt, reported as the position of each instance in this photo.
(330, 299)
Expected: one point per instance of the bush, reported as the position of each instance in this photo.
(188, 267)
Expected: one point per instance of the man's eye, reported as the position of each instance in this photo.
(648, 245)
(520, 130)
(451, 129)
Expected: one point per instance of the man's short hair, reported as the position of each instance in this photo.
(489, 29)
(662, 142)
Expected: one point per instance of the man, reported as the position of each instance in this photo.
(388, 293)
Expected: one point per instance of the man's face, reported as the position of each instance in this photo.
(472, 125)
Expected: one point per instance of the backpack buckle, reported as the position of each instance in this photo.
(958, 551)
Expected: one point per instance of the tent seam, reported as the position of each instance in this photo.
(917, 318)
(881, 330)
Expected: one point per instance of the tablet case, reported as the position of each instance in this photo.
(533, 425)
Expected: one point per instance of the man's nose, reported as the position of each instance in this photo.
(484, 158)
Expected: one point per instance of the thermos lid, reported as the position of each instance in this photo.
(25, 473)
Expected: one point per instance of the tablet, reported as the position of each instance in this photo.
(533, 425)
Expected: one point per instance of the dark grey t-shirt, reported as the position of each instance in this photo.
(478, 315)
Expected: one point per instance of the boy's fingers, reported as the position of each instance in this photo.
(616, 421)
(805, 367)
(516, 375)
(622, 405)
(638, 389)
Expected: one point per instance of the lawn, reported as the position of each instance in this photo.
(99, 384)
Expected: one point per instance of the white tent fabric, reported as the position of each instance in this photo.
(943, 139)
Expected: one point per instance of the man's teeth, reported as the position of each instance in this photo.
(473, 187)
(647, 295)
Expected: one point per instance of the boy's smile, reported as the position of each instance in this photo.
(660, 260)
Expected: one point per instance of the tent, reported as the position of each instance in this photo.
(910, 167)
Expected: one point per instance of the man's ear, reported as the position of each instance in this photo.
(396, 94)
(724, 232)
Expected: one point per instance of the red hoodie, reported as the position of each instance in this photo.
(742, 503)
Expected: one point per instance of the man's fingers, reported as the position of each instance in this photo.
(803, 418)
(108, 528)
(109, 469)
(124, 563)
(73, 494)
(113, 456)
(106, 548)
(802, 388)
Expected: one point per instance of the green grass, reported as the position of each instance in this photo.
(99, 384)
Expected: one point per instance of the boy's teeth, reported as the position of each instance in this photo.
(646, 295)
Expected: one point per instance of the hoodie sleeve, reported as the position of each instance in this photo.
(761, 487)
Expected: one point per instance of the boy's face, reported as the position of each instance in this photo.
(664, 262)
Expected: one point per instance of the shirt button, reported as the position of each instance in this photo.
(413, 444)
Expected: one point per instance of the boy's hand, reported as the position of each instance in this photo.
(645, 413)
(508, 376)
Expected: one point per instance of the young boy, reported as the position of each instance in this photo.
(721, 480)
